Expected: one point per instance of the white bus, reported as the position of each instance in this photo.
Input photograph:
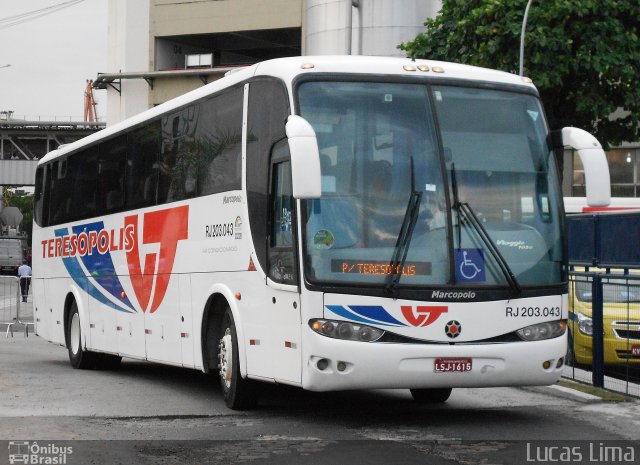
(581, 205)
(324, 222)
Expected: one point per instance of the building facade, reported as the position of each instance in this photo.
(159, 49)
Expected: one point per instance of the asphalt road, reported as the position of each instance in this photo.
(151, 414)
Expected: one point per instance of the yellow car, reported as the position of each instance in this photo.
(621, 323)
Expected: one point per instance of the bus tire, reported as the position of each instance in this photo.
(431, 395)
(79, 358)
(570, 356)
(238, 393)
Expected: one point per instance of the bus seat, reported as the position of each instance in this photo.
(114, 200)
(148, 190)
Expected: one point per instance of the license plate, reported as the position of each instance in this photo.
(452, 365)
(635, 351)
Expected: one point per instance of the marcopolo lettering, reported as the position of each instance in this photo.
(231, 199)
(453, 295)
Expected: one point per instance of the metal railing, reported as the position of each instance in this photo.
(16, 304)
(9, 302)
(604, 330)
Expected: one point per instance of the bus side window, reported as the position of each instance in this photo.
(266, 117)
(143, 146)
(282, 262)
(179, 155)
(219, 142)
(111, 170)
(61, 184)
(38, 197)
(84, 172)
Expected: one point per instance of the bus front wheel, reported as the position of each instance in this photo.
(238, 393)
(431, 396)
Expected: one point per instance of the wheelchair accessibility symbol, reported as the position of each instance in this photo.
(469, 265)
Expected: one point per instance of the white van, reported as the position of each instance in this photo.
(10, 255)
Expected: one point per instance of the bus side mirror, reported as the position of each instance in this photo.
(305, 159)
(594, 161)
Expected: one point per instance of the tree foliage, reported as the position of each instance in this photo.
(583, 55)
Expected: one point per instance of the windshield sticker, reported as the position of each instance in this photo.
(520, 245)
(285, 220)
(323, 239)
(470, 265)
(533, 114)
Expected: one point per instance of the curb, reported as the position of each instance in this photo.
(580, 393)
(565, 393)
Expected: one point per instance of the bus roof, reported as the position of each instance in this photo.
(288, 68)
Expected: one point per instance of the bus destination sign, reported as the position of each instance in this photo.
(380, 267)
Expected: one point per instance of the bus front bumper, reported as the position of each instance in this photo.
(332, 364)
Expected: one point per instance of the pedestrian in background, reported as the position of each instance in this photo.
(24, 271)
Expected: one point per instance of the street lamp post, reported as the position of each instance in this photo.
(524, 25)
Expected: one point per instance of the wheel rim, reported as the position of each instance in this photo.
(74, 334)
(225, 358)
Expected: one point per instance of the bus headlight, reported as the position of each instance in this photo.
(346, 330)
(541, 331)
(585, 324)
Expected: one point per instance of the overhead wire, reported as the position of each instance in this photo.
(40, 11)
(21, 18)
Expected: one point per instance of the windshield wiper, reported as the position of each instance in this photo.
(464, 210)
(404, 237)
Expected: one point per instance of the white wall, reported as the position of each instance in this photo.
(128, 51)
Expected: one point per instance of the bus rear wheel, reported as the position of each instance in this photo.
(431, 395)
(238, 393)
(79, 358)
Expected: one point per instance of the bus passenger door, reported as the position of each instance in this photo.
(282, 276)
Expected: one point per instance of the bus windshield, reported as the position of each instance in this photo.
(387, 147)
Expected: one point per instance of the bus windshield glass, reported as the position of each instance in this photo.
(386, 147)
